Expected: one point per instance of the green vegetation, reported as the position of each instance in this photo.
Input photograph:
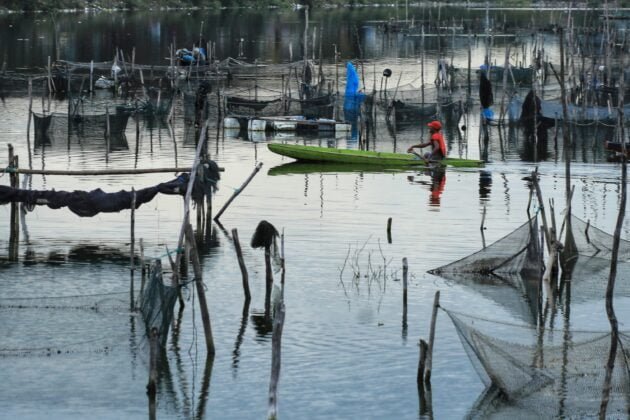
(48, 5)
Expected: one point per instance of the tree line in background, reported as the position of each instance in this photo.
(47, 5)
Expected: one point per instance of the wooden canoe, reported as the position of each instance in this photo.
(361, 157)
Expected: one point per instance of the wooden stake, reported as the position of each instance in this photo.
(154, 351)
(422, 364)
(404, 319)
(28, 124)
(241, 264)
(276, 352)
(268, 283)
(201, 294)
(436, 305)
(238, 191)
(132, 247)
(144, 271)
(389, 230)
(14, 233)
(405, 270)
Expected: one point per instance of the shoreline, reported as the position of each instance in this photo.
(472, 5)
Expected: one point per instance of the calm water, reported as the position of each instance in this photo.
(345, 351)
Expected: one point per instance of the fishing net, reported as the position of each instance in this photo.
(509, 271)
(516, 253)
(576, 114)
(545, 372)
(57, 126)
(63, 324)
(157, 302)
(270, 104)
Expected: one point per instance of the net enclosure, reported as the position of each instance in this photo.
(544, 373)
(531, 369)
(509, 271)
(157, 302)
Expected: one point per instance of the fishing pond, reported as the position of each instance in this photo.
(349, 347)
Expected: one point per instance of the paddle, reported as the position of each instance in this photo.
(426, 161)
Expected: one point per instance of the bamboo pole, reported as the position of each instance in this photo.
(429, 364)
(132, 250)
(405, 270)
(541, 206)
(422, 364)
(241, 264)
(189, 188)
(96, 172)
(50, 82)
(238, 191)
(154, 351)
(268, 283)
(610, 287)
(276, 353)
(144, 271)
(201, 294)
(14, 233)
(28, 123)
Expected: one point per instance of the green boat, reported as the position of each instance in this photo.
(361, 157)
(305, 168)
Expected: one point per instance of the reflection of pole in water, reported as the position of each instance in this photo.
(236, 353)
(485, 184)
(205, 387)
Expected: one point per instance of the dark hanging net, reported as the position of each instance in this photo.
(546, 374)
(90, 203)
(157, 302)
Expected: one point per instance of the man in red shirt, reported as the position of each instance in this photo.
(436, 141)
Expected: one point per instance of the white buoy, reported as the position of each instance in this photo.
(257, 125)
(343, 127)
(231, 123)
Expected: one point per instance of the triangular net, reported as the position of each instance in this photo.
(552, 373)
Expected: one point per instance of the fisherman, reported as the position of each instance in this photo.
(436, 141)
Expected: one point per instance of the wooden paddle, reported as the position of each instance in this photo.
(429, 163)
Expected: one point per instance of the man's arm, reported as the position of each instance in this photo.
(420, 145)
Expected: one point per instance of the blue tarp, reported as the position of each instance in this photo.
(353, 99)
(352, 80)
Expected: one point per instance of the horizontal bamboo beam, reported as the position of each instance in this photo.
(96, 172)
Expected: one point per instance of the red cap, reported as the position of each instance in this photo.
(436, 125)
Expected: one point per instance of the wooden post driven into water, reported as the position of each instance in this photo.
(238, 191)
(28, 123)
(132, 250)
(201, 294)
(405, 271)
(429, 364)
(154, 352)
(422, 364)
(241, 264)
(14, 233)
(276, 352)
